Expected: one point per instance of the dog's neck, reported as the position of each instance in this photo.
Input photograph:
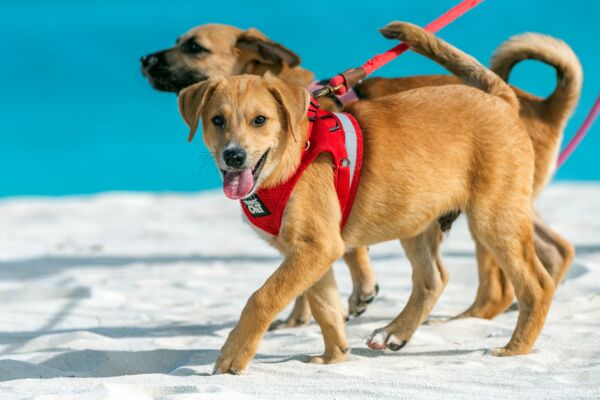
(291, 157)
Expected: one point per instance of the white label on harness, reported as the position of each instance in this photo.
(350, 137)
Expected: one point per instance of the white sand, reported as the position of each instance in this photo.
(130, 296)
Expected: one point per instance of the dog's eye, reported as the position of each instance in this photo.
(218, 121)
(192, 47)
(260, 120)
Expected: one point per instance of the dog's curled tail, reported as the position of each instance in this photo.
(460, 64)
(551, 51)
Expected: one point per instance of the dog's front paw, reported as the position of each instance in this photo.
(225, 365)
(231, 362)
(508, 351)
(236, 354)
(360, 300)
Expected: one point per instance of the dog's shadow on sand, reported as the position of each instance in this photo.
(369, 353)
(197, 362)
(111, 363)
(33, 268)
(366, 352)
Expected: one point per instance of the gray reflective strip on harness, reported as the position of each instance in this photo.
(350, 134)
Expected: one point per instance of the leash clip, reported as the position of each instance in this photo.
(327, 91)
(345, 80)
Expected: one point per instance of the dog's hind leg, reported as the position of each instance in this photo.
(506, 230)
(326, 306)
(364, 284)
(299, 316)
(555, 252)
(429, 280)
(494, 293)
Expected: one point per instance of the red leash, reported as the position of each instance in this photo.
(583, 130)
(340, 83)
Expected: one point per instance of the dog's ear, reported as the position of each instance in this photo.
(192, 101)
(294, 100)
(265, 50)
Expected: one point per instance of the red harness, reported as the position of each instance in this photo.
(335, 133)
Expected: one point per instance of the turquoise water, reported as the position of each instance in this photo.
(78, 117)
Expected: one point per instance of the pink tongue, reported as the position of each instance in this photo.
(237, 184)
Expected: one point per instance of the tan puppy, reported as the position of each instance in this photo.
(220, 50)
(544, 120)
(427, 152)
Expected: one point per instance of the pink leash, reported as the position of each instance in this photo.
(581, 132)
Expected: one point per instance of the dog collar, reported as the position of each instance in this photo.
(335, 133)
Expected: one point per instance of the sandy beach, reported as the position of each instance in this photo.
(131, 295)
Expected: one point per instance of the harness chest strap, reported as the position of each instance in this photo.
(335, 133)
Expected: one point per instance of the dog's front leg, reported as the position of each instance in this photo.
(298, 272)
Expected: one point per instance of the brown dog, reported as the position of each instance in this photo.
(220, 50)
(427, 152)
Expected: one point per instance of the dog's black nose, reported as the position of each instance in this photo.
(235, 157)
(148, 61)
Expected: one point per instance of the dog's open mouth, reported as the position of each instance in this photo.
(239, 183)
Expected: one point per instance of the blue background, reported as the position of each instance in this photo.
(78, 117)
